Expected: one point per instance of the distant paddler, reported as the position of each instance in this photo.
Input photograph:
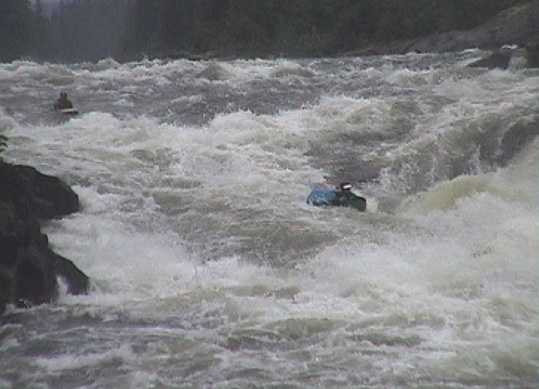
(64, 105)
(342, 196)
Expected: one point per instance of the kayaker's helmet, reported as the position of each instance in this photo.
(345, 186)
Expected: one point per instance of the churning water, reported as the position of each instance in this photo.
(208, 268)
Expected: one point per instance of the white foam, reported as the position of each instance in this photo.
(456, 266)
(74, 361)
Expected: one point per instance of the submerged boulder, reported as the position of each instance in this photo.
(504, 58)
(28, 267)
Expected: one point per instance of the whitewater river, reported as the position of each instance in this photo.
(209, 270)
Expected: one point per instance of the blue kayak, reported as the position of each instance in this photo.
(329, 197)
(321, 197)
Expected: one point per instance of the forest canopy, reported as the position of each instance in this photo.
(89, 30)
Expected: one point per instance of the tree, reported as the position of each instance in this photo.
(15, 29)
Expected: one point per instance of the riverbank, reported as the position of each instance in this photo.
(516, 27)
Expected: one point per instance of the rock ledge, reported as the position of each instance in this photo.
(515, 27)
(28, 267)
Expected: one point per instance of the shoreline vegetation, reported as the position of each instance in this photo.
(129, 30)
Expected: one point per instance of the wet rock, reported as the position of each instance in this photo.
(505, 58)
(36, 194)
(517, 26)
(532, 49)
(28, 267)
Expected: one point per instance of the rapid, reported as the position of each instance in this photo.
(209, 270)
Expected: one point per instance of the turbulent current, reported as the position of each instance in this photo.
(209, 270)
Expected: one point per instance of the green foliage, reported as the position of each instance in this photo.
(302, 27)
(16, 19)
(88, 30)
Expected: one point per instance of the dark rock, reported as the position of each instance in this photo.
(35, 278)
(505, 58)
(28, 267)
(532, 49)
(516, 26)
(76, 280)
(496, 60)
(41, 195)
